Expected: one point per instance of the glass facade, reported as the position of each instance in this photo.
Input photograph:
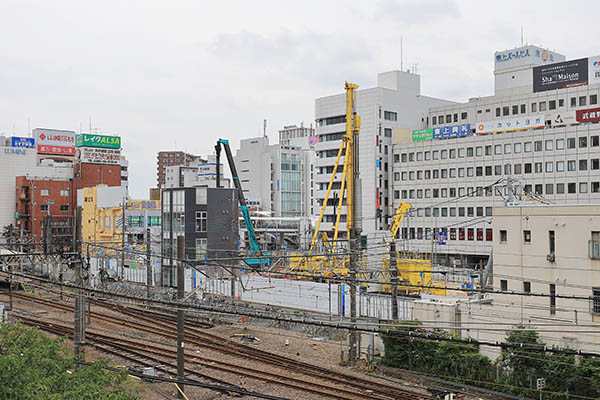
(291, 185)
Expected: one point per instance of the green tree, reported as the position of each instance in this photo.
(520, 362)
(34, 366)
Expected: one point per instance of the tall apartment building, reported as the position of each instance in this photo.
(395, 102)
(272, 176)
(540, 129)
(165, 159)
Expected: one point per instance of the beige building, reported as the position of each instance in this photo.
(551, 250)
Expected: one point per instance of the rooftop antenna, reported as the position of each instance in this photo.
(90, 125)
(401, 55)
(521, 35)
(264, 127)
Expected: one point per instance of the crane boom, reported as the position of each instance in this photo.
(255, 248)
(398, 217)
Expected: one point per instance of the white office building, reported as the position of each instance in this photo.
(201, 174)
(540, 129)
(396, 102)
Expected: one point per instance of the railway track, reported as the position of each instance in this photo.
(163, 325)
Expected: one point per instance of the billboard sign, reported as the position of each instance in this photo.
(562, 118)
(95, 155)
(593, 70)
(454, 131)
(422, 134)
(590, 115)
(101, 141)
(560, 75)
(143, 205)
(26, 142)
(509, 124)
(526, 55)
(51, 141)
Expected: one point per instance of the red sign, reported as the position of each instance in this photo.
(591, 115)
(67, 151)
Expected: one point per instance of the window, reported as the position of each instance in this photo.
(44, 192)
(549, 188)
(517, 147)
(595, 306)
(470, 234)
(64, 207)
(571, 143)
(470, 212)
(488, 150)
(488, 234)
(582, 100)
(433, 120)
(201, 248)
(469, 152)
(552, 299)
(593, 99)
(595, 163)
(561, 102)
(523, 109)
(436, 174)
(582, 142)
(505, 110)
(507, 168)
(503, 285)
(463, 115)
(453, 211)
(552, 105)
(549, 145)
(411, 156)
(428, 174)
(497, 169)
(461, 152)
(560, 188)
(537, 145)
(560, 144)
(526, 236)
(444, 154)
(515, 109)
(583, 187)
(595, 187)
(497, 111)
(527, 287)
(538, 167)
(542, 106)
(405, 157)
(478, 171)
(560, 166)
(517, 169)
(527, 147)
(452, 153)
(507, 148)
(470, 171)
(583, 165)
(107, 222)
(455, 117)
(551, 242)
(452, 172)
(44, 207)
(479, 151)
(571, 165)
(538, 189)
(479, 211)
(527, 168)
(595, 141)
(390, 116)
(533, 107)
(549, 166)
(488, 170)
(64, 193)
(436, 155)
(572, 187)
(387, 132)
(573, 101)
(201, 221)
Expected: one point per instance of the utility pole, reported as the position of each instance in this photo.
(79, 312)
(180, 313)
(123, 242)
(148, 265)
(394, 276)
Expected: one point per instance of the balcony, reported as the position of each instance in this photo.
(24, 197)
(594, 249)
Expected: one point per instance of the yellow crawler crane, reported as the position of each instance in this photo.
(414, 274)
(330, 264)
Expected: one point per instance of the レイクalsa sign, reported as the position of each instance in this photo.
(101, 141)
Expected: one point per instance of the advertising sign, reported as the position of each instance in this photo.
(143, 205)
(590, 115)
(422, 134)
(560, 75)
(26, 142)
(94, 155)
(51, 141)
(562, 118)
(454, 131)
(525, 55)
(102, 141)
(593, 70)
(509, 124)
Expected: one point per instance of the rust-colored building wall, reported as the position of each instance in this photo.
(89, 175)
(31, 203)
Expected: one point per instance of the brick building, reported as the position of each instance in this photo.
(165, 159)
(42, 201)
(90, 175)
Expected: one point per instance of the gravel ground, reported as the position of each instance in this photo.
(323, 353)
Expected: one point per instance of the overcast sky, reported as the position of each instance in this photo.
(179, 74)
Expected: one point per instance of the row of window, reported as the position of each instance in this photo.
(451, 212)
(63, 207)
(507, 169)
(516, 109)
(452, 234)
(548, 189)
(46, 192)
(499, 149)
(138, 221)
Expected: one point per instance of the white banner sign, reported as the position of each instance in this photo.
(509, 124)
(96, 155)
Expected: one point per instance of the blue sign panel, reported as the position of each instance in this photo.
(454, 131)
(22, 142)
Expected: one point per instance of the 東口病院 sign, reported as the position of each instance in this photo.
(102, 141)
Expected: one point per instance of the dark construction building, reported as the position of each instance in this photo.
(207, 218)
